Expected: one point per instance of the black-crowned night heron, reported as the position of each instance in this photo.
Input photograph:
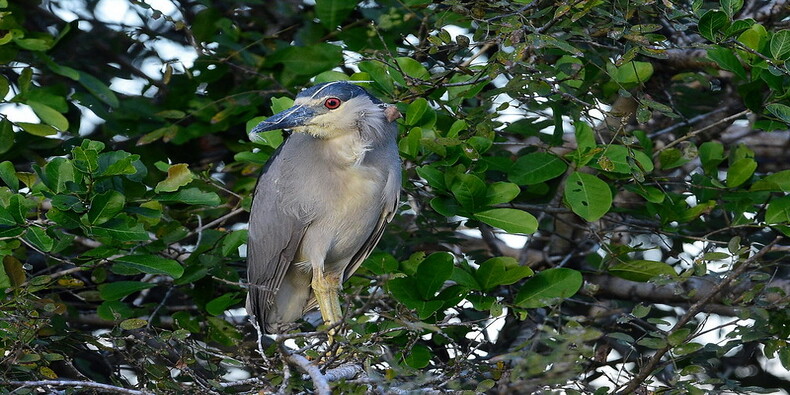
(321, 203)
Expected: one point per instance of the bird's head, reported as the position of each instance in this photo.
(331, 109)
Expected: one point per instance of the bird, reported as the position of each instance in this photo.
(321, 203)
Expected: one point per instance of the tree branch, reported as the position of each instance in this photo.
(697, 307)
(75, 384)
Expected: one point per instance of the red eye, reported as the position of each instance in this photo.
(332, 103)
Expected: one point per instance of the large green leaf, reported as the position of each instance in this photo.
(740, 171)
(419, 357)
(780, 45)
(778, 211)
(500, 271)
(588, 196)
(39, 238)
(432, 273)
(105, 206)
(712, 23)
(151, 264)
(535, 168)
(727, 60)
(509, 219)
(8, 175)
(501, 192)
(470, 191)
(548, 286)
(780, 111)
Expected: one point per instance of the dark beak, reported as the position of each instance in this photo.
(290, 118)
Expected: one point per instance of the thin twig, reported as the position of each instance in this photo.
(75, 384)
(698, 131)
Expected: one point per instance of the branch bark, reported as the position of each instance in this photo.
(74, 384)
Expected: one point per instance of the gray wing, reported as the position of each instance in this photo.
(390, 199)
(274, 238)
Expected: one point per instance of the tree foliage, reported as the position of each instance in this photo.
(635, 147)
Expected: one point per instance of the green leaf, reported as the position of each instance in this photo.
(686, 348)
(8, 175)
(49, 115)
(98, 89)
(232, 242)
(641, 270)
(633, 73)
(410, 145)
(433, 175)
(679, 336)
(509, 219)
(17, 211)
(332, 13)
(547, 286)
(115, 163)
(178, 175)
(419, 357)
(381, 263)
(120, 230)
(740, 171)
(378, 72)
(218, 305)
(780, 45)
(405, 291)
(470, 191)
(588, 196)
(778, 211)
(151, 264)
(413, 68)
(731, 7)
(621, 159)
(535, 168)
(192, 196)
(105, 206)
(500, 271)
(777, 182)
(711, 154)
(301, 61)
(464, 278)
(432, 273)
(652, 342)
(501, 192)
(415, 111)
(133, 323)
(727, 60)
(780, 111)
(712, 23)
(7, 135)
(39, 238)
(37, 129)
(119, 289)
(585, 136)
(222, 332)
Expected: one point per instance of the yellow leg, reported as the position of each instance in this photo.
(326, 289)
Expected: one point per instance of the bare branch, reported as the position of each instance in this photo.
(74, 384)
